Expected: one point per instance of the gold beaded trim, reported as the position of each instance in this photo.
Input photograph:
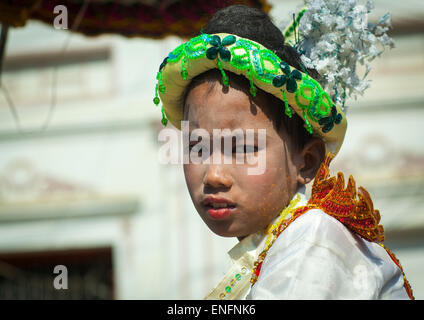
(330, 196)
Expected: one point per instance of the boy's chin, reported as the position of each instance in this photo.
(230, 233)
(231, 228)
(223, 233)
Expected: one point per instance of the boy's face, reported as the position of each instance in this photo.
(252, 201)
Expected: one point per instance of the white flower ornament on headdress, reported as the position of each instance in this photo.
(334, 37)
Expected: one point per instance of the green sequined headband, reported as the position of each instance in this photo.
(263, 68)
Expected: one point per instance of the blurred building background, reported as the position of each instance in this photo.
(89, 192)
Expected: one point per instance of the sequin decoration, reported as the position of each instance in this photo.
(289, 78)
(353, 209)
(328, 122)
(406, 284)
(237, 277)
(218, 47)
(258, 64)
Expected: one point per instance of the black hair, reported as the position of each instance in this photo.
(255, 25)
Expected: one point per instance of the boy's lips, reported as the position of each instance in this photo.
(218, 208)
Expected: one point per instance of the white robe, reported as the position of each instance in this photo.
(317, 257)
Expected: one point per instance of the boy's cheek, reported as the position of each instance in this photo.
(256, 180)
(261, 186)
(192, 176)
(268, 187)
(269, 175)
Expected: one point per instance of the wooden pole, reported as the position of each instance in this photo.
(3, 39)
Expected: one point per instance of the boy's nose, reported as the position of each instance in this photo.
(216, 177)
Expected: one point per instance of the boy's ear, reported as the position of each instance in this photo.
(309, 161)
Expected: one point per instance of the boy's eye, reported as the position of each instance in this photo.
(192, 145)
(245, 149)
(197, 148)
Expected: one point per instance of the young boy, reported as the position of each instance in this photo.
(240, 76)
